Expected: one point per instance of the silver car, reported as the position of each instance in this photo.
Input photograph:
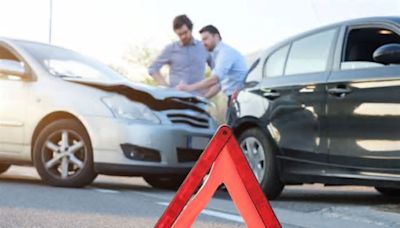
(73, 118)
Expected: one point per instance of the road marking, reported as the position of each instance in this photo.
(218, 214)
(102, 190)
(167, 196)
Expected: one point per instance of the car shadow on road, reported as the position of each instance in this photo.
(328, 195)
(334, 196)
(115, 184)
(20, 180)
(124, 187)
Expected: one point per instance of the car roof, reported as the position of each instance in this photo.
(393, 19)
(18, 42)
(388, 19)
(366, 20)
(264, 53)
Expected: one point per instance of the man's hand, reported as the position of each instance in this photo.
(159, 79)
(208, 87)
(182, 86)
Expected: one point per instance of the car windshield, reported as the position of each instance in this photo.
(62, 62)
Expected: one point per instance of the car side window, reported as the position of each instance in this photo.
(276, 62)
(310, 54)
(361, 44)
(6, 55)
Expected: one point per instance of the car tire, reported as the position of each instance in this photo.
(390, 192)
(262, 160)
(168, 183)
(63, 154)
(4, 168)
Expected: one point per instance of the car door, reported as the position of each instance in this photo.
(296, 107)
(13, 108)
(364, 105)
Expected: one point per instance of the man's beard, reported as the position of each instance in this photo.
(210, 49)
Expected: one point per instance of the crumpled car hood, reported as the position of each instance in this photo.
(154, 97)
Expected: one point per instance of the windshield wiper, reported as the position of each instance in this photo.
(67, 76)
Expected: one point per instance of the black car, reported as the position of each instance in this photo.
(324, 107)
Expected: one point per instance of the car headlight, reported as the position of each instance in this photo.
(124, 108)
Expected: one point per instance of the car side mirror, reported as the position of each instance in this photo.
(387, 54)
(12, 67)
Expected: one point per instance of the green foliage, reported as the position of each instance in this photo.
(219, 109)
(142, 56)
(149, 81)
(134, 64)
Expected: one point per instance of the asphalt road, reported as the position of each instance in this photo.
(130, 202)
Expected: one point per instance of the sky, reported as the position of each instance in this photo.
(105, 29)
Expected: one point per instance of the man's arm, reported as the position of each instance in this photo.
(159, 79)
(208, 87)
(154, 69)
(212, 91)
(204, 84)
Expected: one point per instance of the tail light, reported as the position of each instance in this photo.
(234, 97)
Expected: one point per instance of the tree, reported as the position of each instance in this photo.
(134, 64)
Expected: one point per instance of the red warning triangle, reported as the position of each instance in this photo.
(224, 163)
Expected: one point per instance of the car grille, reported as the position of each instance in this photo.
(194, 121)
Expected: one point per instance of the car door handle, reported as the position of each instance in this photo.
(339, 91)
(271, 94)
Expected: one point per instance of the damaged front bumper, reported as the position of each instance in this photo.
(137, 148)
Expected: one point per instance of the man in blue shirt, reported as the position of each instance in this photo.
(228, 67)
(186, 58)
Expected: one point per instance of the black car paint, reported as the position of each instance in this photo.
(322, 118)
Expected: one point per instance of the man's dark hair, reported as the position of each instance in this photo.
(211, 29)
(182, 20)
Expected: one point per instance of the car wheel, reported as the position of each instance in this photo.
(4, 167)
(169, 183)
(391, 192)
(63, 154)
(261, 157)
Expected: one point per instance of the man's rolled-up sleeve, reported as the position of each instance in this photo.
(160, 61)
(222, 66)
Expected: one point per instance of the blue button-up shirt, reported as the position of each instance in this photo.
(187, 62)
(230, 67)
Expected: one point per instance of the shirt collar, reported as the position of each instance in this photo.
(193, 42)
(218, 47)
